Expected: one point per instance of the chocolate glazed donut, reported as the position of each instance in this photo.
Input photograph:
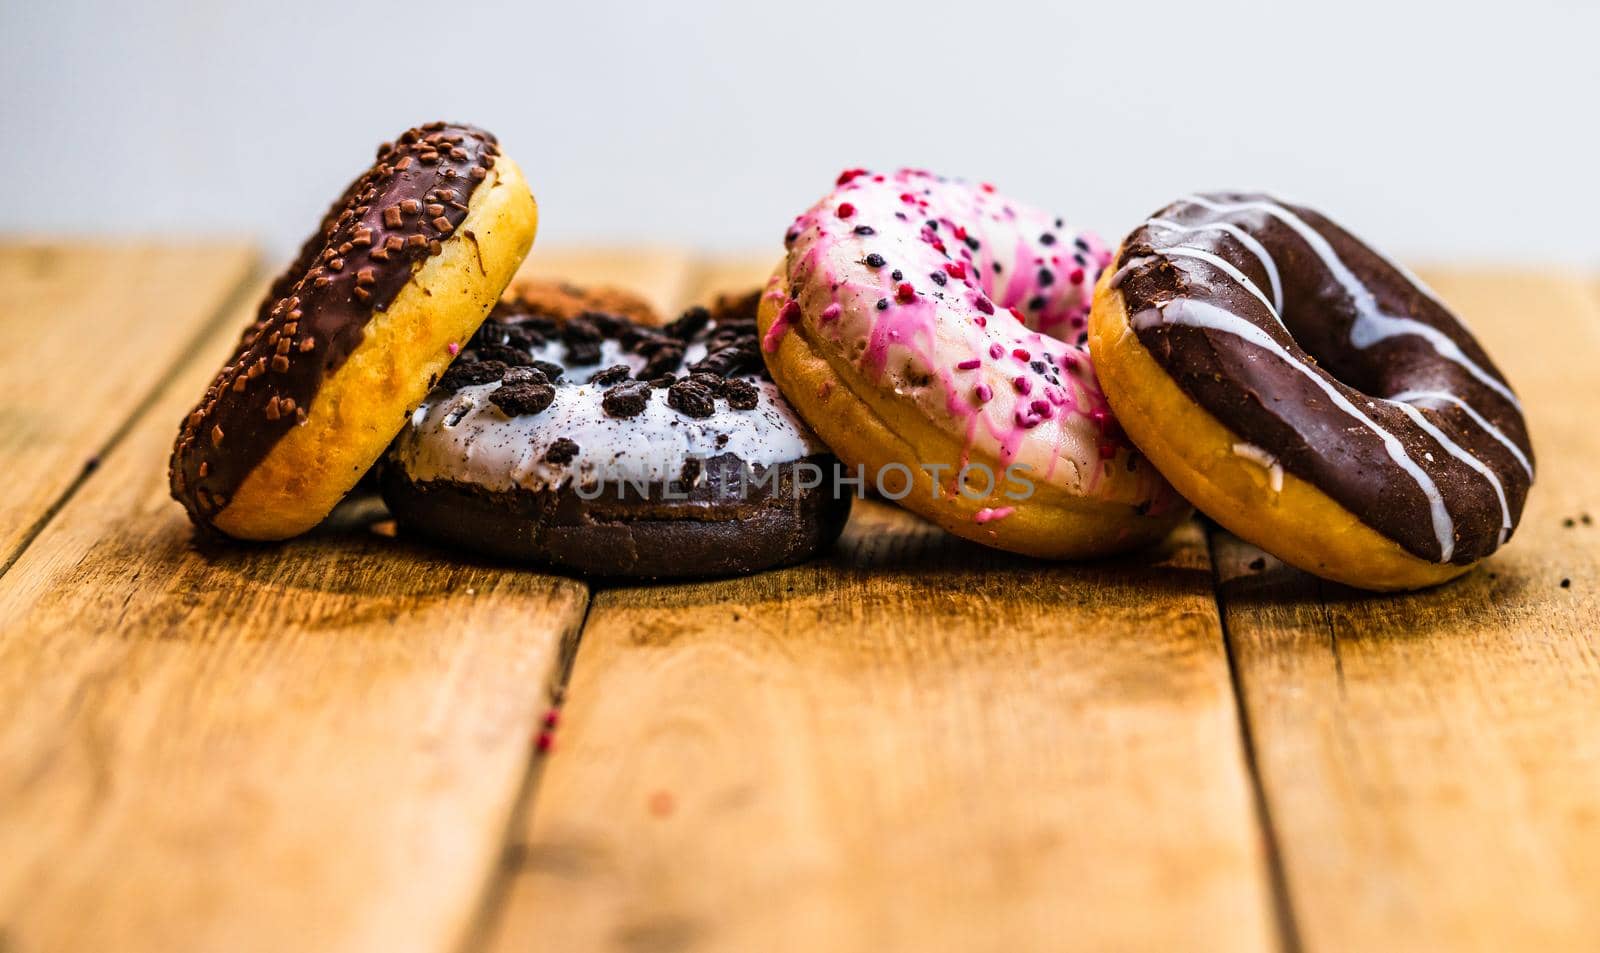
(1321, 361)
(404, 266)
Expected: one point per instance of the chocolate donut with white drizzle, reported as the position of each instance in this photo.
(1329, 360)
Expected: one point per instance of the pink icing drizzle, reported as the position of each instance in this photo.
(906, 285)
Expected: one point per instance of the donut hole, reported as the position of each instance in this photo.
(1386, 367)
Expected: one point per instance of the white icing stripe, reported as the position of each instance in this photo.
(1371, 325)
(1183, 251)
(1198, 314)
(1242, 237)
(1263, 459)
(1455, 450)
(1121, 273)
(1412, 396)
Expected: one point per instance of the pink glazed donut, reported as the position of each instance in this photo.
(932, 333)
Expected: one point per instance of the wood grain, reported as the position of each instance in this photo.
(120, 314)
(312, 746)
(913, 744)
(1432, 762)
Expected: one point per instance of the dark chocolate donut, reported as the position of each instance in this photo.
(608, 446)
(437, 192)
(1332, 362)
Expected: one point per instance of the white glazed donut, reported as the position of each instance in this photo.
(591, 442)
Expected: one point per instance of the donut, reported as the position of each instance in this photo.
(577, 432)
(404, 267)
(932, 332)
(1309, 394)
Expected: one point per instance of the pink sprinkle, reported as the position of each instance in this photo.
(846, 210)
(986, 186)
(956, 269)
(545, 742)
(980, 321)
(453, 348)
(984, 304)
(552, 718)
(1022, 384)
(969, 365)
(1040, 407)
(985, 394)
(996, 351)
(1076, 276)
(1021, 355)
(905, 294)
(988, 514)
(831, 312)
(847, 175)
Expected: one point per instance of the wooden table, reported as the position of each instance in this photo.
(913, 744)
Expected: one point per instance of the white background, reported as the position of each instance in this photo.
(1461, 131)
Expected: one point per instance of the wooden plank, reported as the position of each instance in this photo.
(91, 329)
(1431, 761)
(913, 744)
(312, 746)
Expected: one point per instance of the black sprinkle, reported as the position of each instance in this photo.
(883, 304)
(465, 374)
(615, 374)
(562, 451)
(741, 394)
(875, 260)
(938, 278)
(691, 399)
(505, 353)
(688, 324)
(1047, 239)
(523, 399)
(865, 230)
(627, 399)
